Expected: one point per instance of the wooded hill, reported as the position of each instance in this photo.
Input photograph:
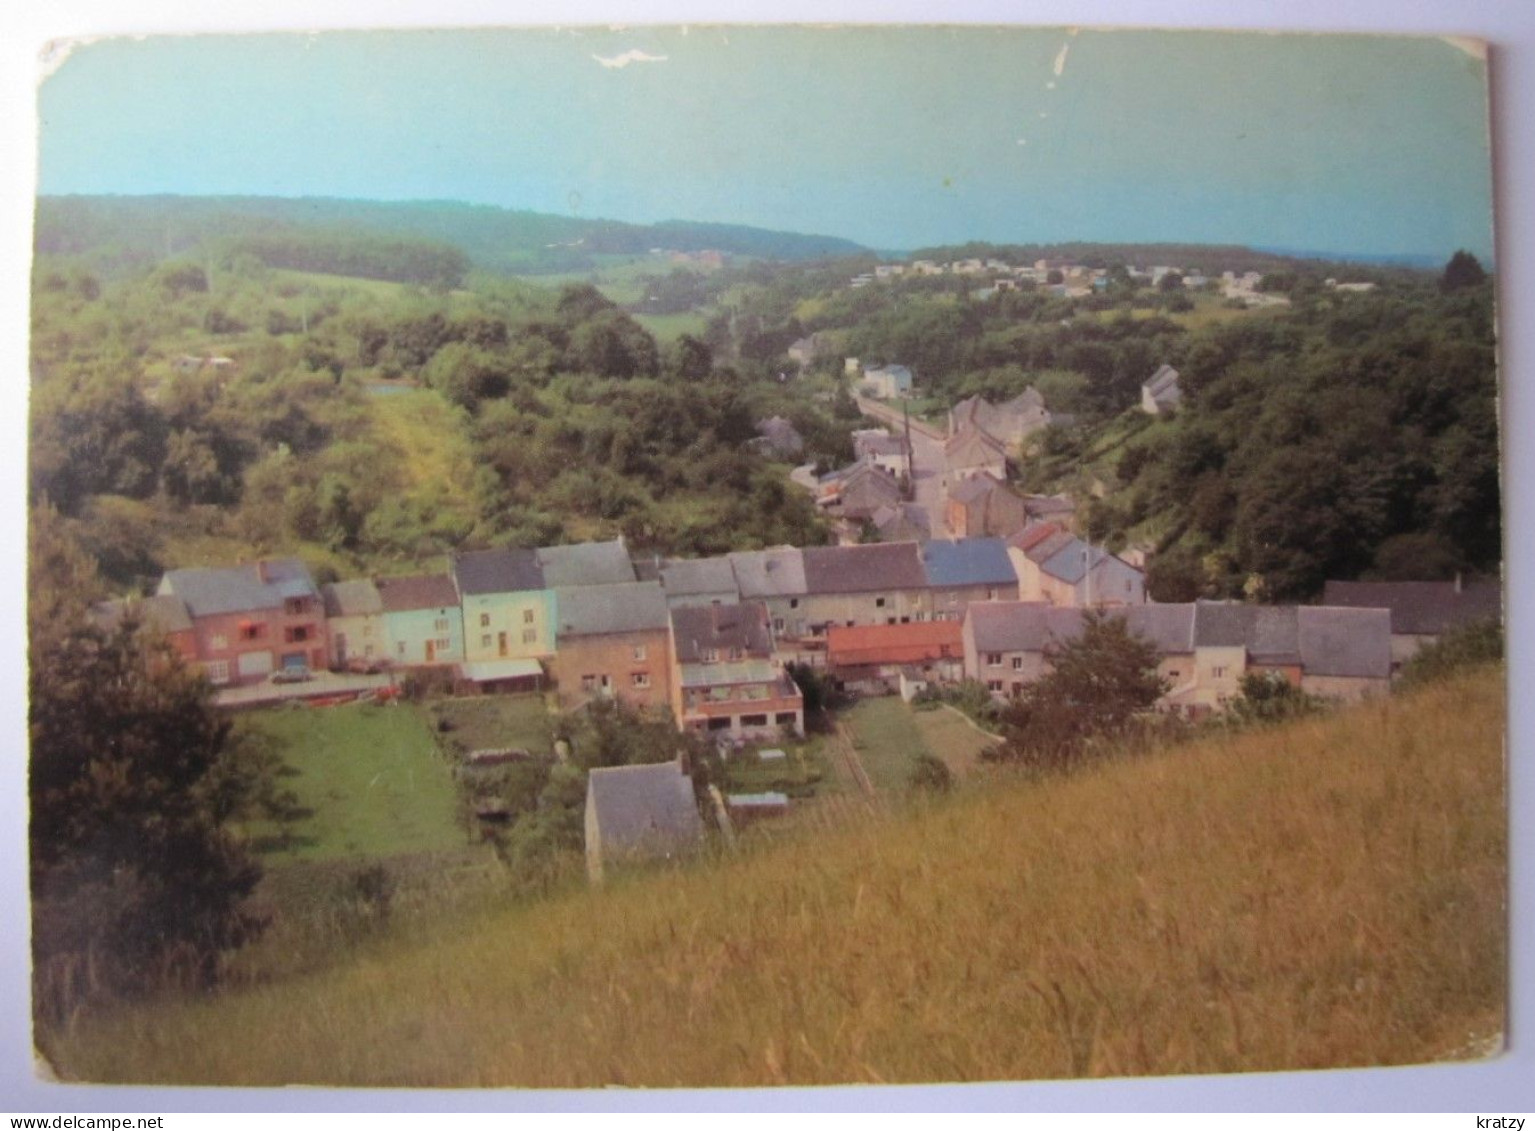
(141, 229)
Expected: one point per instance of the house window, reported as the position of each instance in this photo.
(530, 636)
(219, 641)
(484, 620)
(735, 654)
(879, 602)
(777, 624)
(640, 679)
(296, 635)
(485, 640)
(252, 631)
(991, 594)
(993, 659)
(921, 617)
(889, 620)
(295, 606)
(786, 719)
(1218, 672)
(527, 616)
(793, 602)
(444, 644)
(440, 624)
(994, 685)
(711, 655)
(754, 720)
(217, 670)
(588, 683)
(1018, 663)
(1173, 674)
(638, 653)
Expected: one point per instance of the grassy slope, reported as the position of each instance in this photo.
(1331, 893)
(370, 777)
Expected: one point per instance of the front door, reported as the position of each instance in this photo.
(502, 642)
(341, 648)
(431, 650)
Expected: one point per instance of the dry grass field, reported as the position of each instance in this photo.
(1329, 893)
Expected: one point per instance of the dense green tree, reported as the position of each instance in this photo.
(1097, 683)
(1463, 270)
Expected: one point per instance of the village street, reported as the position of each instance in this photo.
(926, 461)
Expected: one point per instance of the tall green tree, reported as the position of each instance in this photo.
(1463, 270)
(1098, 682)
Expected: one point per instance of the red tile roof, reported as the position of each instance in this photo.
(894, 643)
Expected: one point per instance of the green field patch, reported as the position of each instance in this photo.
(802, 773)
(954, 738)
(887, 741)
(492, 722)
(368, 780)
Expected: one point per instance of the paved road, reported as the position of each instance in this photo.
(926, 461)
(322, 685)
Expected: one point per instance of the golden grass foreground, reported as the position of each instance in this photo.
(1329, 893)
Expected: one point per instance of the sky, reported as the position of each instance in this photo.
(894, 137)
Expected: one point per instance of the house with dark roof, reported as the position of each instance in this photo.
(1055, 566)
(614, 642)
(726, 677)
(698, 581)
(1204, 648)
(354, 622)
(982, 505)
(884, 450)
(1010, 422)
(1421, 611)
(423, 619)
(508, 604)
(962, 572)
(248, 620)
(902, 522)
(973, 452)
(585, 563)
(855, 492)
(880, 583)
(871, 659)
(1161, 394)
(775, 577)
(638, 813)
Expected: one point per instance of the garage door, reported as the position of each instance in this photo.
(255, 663)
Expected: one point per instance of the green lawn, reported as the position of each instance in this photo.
(368, 778)
(669, 327)
(952, 737)
(887, 741)
(487, 722)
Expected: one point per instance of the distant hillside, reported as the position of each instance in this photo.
(1325, 894)
(130, 229)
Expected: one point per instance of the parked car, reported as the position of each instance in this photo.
(292, 675)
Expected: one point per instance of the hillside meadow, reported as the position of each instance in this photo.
(1330, 893)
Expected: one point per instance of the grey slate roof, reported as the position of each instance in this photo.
(1171, 628)
(1345, 642)
(358, 598)
(497, 571)
(599, 610)
(770, 573)
(699, 577)
(586, 563)
(1164, 379)
(164, 614)
(973, 488)
(1267, 632)
(902, 522)
(238, 589)
(1021, 626)
(422, 591)
(863, 569)
(1421, 608)
(643, 808)
(969, 561)
(1071, 562)
(721, 628)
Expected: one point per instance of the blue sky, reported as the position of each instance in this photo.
(895, 137)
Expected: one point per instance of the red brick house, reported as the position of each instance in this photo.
(249, 620)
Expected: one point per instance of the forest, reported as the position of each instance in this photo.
(373, 399)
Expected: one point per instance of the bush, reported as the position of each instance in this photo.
(1473, 645)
